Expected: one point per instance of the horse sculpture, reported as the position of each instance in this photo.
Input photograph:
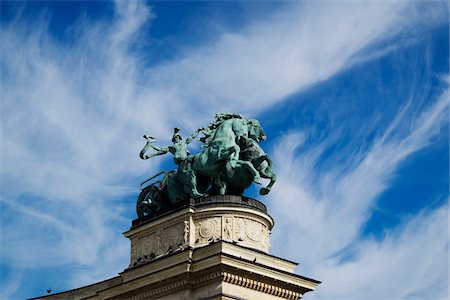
(260, 160)
(220, 160)
(231, 161)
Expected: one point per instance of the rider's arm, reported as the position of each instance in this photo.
(150, 141)
(145, 156)
(193, 136)
(160, 149)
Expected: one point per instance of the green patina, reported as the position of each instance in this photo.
(230, 162)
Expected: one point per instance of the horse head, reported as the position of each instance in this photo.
(255, 131)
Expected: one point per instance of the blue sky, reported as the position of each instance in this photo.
(353, 96)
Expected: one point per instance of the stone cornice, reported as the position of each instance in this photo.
(219, 263)
(259, 286)
(222, 274)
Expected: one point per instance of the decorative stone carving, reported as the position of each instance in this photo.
(240, 220)
(147, 245)
(157, 243)
(228, 228)
(208, 230)
(240, 229)
(134, 250)
(252, 233)
(253, 230)
(186, 232)
(233, 228)
(173, 237)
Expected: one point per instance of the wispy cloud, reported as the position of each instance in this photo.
(409, 263)
(73, 115)
(328, 210)
(296, 47)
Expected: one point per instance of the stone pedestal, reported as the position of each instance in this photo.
(235, 219)
(214, 248)
(211, 248)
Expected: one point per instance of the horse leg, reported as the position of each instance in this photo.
(230, 165)
(266, 171)
(222, 186)
(256, 176)
(258, 161)
(266, 190)
(193, 182)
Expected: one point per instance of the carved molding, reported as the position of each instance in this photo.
(197, 230)
(218, 276)
(259, 286)
(158, 243)
(158, 292)
(233, 228)
(207, 230)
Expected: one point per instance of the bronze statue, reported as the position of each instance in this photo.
(229, 163)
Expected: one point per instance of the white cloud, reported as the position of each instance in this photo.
(269, 60)
(327, 210)
(411, 263)
(73, 115)
(12, 285)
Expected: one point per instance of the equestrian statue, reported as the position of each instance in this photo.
(231, 160)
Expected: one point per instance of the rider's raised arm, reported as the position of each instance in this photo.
(160, 149)
(194, 135)
(148, 144)
(145, 156)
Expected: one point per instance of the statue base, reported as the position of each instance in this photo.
(236, 219)
(211, 248)
(214, 247)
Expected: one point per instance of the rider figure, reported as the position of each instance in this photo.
(181, 157)
(179, 148)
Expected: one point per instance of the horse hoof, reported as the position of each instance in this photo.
(264, 191)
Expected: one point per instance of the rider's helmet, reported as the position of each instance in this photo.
(175, 135)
